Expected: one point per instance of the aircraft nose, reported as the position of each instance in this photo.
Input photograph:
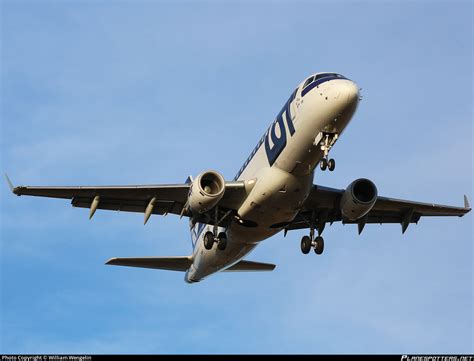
(350, 92)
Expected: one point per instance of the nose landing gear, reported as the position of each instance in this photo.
(327, 141)
(327, 164)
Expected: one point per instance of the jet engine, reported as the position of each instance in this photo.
(358, 199)
(206, 191)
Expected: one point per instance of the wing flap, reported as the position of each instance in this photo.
(166, 263)
(129, 205)
(250, 266)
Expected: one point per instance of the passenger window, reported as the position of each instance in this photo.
(307, 82)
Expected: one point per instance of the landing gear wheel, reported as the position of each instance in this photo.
(323, 164)
(222, 243)
(331, 164)
(305, 244)
(208, 240)
(319, 245)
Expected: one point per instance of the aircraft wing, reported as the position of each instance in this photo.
(169, 198)
(324, 202)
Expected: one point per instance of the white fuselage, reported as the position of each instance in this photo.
(279, 171)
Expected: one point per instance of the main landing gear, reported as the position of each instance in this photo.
(308, 242)
(326, 144)
(213, 237)
(209, 240)
(317, 243)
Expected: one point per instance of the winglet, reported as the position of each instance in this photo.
(10, 184)
(466, 203)
(111, 261)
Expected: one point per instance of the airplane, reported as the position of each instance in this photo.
(273, 191)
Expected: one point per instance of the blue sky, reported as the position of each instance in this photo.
(150, 92)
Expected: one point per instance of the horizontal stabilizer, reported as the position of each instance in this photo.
(183, 263)
(167, 263)
(250, 266)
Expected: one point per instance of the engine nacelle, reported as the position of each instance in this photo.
(358, 199)
(206, 191)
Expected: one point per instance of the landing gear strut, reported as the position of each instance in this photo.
(326, 144)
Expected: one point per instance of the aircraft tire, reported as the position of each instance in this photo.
(323, 164)
(331, 164)
(305, 244)
(319, 248)
(222, 244)
(208, 240)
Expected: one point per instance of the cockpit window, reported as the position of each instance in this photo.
(318, 79)
(325, 75)
(308, 82)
